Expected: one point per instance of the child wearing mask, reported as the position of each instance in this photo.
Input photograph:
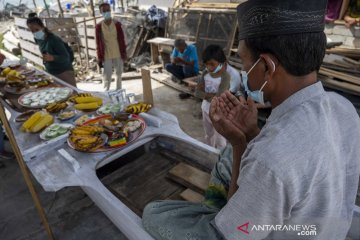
(214, 81)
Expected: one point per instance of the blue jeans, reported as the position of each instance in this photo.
(180, 72)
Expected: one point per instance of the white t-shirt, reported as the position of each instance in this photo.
(236, 85)
(211, 86)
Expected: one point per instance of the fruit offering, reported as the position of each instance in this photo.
(137, 108)
(72, 98)
(55, 130)
(37, 122)
(56, 107)
(87, 103)
(43, 97)
(86, 138)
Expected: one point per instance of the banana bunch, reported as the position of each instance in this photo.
(13, 75)
(87, 103)
(86, 143)
(138, 108)
(86, 138)
(87, 130)
(5, 71)
(37, 122)
(56, 107)
(72, 98)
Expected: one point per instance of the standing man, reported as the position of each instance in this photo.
(298, 176)
(110, 46)
(184, 61)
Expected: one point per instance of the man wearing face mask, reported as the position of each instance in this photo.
(303, 167)
(110, 46)
(295, 179)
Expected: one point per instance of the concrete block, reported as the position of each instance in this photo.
(329, 28)
(342, 30)
(336, 38)
(352, 42)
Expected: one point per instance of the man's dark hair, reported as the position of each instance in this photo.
(179, 42)
(103, 4)
(214, 52)
(300, 54)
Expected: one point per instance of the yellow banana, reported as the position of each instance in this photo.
(87, 106)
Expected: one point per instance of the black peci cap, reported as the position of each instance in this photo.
(260, 18)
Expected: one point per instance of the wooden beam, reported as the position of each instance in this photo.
(190, 177)
(192, 196)
(25, 172)
(147, 89)
(60, 8)
(47, 8)
(213, 5)
(343, 76)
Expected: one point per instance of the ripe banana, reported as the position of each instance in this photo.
(72, 98)
(56, 107)
(138, 108)
(88, 100)
(87, 106)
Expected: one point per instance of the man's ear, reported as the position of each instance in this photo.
(270, 65)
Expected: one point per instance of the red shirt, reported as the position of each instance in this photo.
(100, 46)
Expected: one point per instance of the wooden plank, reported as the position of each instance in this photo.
(213, 5)
(190, 177)
(91, 43)
(25, 34)
(90, 31)
(30, 47)
(33, 58)
(147, 89)
(192, 196)
(166, 79)
(21, 22)
(166, 41)
(130, 75)
(342, 86)
(141, 180)
(343, 76)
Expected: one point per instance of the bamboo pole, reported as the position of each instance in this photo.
(60, 9)
(92, 8)
(25, 172)
(47, 8)
(34, 2)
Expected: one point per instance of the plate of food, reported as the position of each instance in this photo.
(43, 97)
(87, 138)
(120, 130)
(66, 115)
(84, 118)
(108, 108)
(55, 130)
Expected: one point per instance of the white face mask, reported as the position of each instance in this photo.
(257, 95)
